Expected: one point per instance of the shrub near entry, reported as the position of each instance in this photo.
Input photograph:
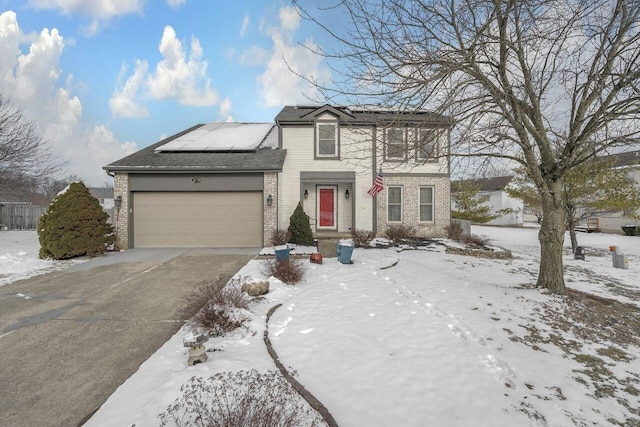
(299, 228)
(74, 225)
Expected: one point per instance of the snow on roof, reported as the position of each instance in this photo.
(227, 136)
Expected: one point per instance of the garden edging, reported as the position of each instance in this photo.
(306, 395)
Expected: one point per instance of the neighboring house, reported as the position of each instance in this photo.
(105, 197)
(499, 200)
(613, 222)
(213, 185)
(234, 184)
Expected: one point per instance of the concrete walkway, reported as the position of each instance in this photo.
(68, 339)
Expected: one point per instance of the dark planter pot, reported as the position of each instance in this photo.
(629, 230)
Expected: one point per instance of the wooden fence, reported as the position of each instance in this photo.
(20, 216)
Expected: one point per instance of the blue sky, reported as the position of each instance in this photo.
(104, 78)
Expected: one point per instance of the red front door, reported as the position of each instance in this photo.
(326, 209)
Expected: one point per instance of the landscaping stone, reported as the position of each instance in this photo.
(256, 288)
(480, 253)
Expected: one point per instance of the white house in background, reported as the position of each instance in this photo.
(104, 196)
(499, 200)
(612, 223)
(335, 153)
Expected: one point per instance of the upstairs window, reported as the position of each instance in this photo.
(395, 144)
(327, 139)
(427, 144)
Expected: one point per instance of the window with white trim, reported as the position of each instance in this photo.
(395, 144)
(327, 139)
(426, 204)
(394, 204)
(427, 144)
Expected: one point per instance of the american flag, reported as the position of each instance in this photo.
(378, 186)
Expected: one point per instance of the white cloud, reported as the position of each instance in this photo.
(281, 82)
(176, 3)
(33, 80)
(225, 109)
(99, 11)
(289, 18)
(253, 56)
(245, 25)
(124, 102)
(180, 76)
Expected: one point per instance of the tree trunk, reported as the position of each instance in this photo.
(574, 237)
(572, 221)
(551, 237)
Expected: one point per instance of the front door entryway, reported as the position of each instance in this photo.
(327, 207)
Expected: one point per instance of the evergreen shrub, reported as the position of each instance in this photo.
(299, 228)
(74, 225)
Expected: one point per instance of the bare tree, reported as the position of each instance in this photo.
(543, 84)
(25, 160)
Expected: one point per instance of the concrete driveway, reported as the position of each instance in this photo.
(68, 339)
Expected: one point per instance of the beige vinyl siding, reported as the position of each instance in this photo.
(299, 143)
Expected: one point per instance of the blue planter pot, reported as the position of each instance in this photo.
(282, 252)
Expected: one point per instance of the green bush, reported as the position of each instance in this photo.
(299, 227)
(74, 225)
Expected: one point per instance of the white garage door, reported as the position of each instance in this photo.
(199, 220)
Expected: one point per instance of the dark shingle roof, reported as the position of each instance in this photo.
(359, 115)
(148, 160)
(487, 184)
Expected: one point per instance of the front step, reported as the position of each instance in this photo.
(328, 247)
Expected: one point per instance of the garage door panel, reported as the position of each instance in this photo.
(173, 219)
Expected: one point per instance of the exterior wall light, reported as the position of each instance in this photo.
(269, 200)
(118, 202)
(306, 194)
(346, 194)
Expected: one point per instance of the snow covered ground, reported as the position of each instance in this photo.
(19, 257)
(438, 339)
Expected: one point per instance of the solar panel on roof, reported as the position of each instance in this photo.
(228, 136)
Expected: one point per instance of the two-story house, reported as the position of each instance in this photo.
(334, 155)
(235, 184)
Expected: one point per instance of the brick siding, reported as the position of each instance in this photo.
(410, 204)
(270, 212)
(121, 224)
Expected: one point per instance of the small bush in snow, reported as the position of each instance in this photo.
(279, 237)
(397, 233)
(290, 271)
(455, 231)
(362, 239)
(74, 225)
(217, 308)
(474, 239)
(245, 398)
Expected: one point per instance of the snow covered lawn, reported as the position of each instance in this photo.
(19, 257)
(438, 339)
